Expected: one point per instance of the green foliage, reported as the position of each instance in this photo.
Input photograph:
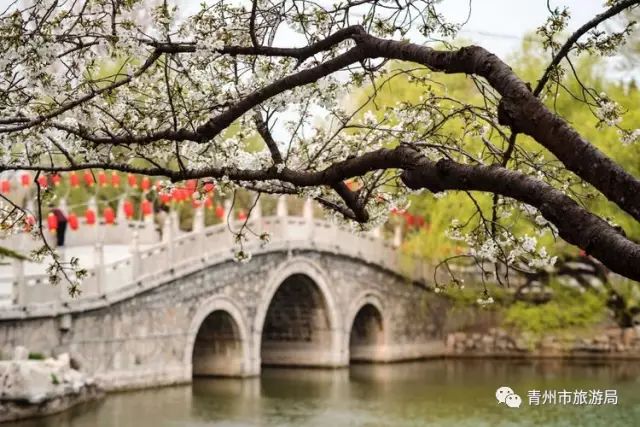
(567, 309)
(36, 356)
(529, 63)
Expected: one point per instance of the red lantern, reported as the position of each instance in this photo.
(209, 187)
(109, 215)
(88, 178)
(56, 179)
(192, 185)
(115, 179)
(165, 198)
(102, 179)
(25, 179)
(208, 203)
(147, 207)
(5, 186)
(219, 212)
(90, 217)
(42, 180)
(409, 219)
(74, 180)
(145, 184)
(128, 209)
(195, 203)
(242, 216)
(132, 180)
(72, 219)
(52, 221)
(180, 194)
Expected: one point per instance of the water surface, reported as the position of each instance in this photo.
(432, 393)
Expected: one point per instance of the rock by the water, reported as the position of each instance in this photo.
(30, 388)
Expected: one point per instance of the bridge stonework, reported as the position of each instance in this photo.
(293, 307)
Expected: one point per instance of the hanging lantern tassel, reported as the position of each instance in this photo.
(72, 219)
(147, 208)
(109, 215)
(90, 217)
(52, 222)
(127, 207)
(208, 203)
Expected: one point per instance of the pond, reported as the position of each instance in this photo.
(429, 393)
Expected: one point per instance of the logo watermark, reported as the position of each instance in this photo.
(580, 397)
(507, 396)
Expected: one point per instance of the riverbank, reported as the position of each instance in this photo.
(607, 343)
(36, 388)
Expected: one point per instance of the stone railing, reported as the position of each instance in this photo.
(182, 253)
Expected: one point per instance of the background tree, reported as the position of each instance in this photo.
(273, 69)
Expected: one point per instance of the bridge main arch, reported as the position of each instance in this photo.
(298, 323)
(217, 341)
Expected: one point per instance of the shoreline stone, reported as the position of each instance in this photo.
(610, 342)
(35, 388)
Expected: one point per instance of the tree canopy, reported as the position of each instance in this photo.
(135, 86)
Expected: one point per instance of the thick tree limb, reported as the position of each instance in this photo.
(524, 113)
(575, 224)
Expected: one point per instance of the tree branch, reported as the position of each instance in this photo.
(566, 48)
(575, 224)
(524, 113)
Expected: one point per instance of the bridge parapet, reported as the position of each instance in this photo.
(183, 253)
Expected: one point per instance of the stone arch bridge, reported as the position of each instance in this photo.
(316, 295)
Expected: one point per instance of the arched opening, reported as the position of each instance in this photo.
(296, 329)
(367, 335)
(217, 350)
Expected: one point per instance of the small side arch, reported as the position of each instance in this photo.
(217, 340)
(328, 354)
(366, 338)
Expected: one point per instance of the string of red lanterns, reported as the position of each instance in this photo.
(177, 195)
